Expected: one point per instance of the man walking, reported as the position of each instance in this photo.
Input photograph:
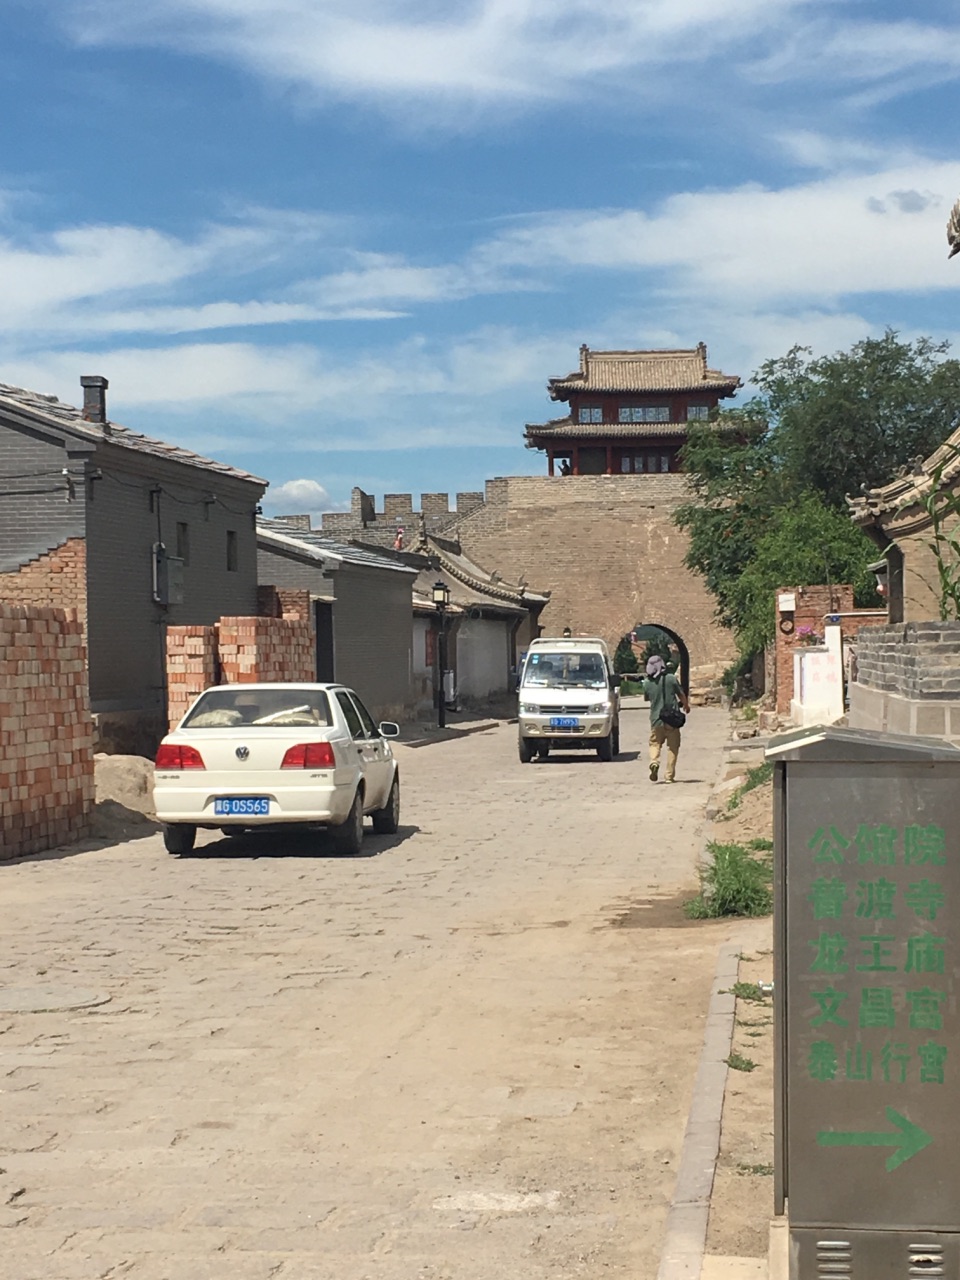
(664, 692)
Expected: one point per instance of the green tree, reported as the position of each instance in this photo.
(770, 479)
(802, 544)
(848, 419)
(624, 658)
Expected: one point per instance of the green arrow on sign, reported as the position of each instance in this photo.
(909, 1141)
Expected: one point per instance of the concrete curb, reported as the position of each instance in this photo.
(686, 1231)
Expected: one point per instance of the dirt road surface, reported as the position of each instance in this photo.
(465, 1055)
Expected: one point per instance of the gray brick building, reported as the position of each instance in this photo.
(362, 606)
(133, 533)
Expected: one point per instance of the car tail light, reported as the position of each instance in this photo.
(309, 755)
(171, 755)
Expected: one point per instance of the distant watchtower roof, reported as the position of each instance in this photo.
(643, 372)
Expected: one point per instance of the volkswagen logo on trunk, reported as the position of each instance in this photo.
(243, 753)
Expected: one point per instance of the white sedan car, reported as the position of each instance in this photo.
(252, 756)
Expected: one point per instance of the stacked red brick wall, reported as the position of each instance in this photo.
(236, 651)
(294, 604)
(46, 731)
(57, 580)
(191, 666)
(266, 649)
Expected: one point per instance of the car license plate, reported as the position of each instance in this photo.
(564, 722)
(241, 806)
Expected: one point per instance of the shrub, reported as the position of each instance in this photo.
(733, 882)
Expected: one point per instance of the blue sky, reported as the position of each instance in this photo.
(346, 242)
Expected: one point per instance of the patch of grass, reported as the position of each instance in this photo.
(760, 844)
(760, 1170)
(738, 1062)
(756, 777)
(749, 991)
(749, 711)
(733, 882)
(631, 686)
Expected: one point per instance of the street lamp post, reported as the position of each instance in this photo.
(441, 598)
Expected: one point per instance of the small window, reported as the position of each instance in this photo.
(183, 543)
(232, 557)
(664, 462)
(591, 413)
(350, 714)
(698, 412)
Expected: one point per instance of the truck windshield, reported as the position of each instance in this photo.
(565, 671)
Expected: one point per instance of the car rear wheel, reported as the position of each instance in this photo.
(386, 821)
(526, 748)
(616, 739)
(605, 747)
(347, 836)
(179, 838)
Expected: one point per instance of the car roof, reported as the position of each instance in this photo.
(279, 684)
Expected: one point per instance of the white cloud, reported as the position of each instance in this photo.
(488, 53)
(843, 234)
(301, 497)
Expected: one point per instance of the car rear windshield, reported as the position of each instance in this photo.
(263, 708)
(569, 670)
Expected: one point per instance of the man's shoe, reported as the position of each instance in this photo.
(654, 771)
(669, 779)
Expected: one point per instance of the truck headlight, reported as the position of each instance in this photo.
(598, 709)
(529, 709)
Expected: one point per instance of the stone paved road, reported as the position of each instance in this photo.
(466, 1055)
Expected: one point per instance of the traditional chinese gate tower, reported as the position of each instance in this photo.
(628, 411)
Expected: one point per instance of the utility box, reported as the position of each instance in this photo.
(867, 1030)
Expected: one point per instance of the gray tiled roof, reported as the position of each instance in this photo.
(643, 371)
(323, 546)
(50, 410)
(567, 429)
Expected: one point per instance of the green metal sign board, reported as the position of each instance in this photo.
(868, 937)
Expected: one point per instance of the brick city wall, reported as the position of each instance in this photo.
(237, 651)
(607, 550)
(56, 580)
(46, 731)
(605, 547)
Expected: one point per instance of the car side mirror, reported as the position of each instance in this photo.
(388, 729)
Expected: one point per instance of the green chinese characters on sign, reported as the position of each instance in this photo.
(876, 844)
(924, 844)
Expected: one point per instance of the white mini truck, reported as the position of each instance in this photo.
(569, 698)
(255, 757)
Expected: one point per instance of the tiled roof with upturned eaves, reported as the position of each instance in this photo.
(48, 410)
(643, 372)
(566, 429)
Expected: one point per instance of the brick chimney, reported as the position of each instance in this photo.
(95, 399)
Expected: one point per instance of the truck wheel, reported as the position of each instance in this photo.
(605, 747)
(616, 739)
(526, 748)
(179, 838)
(543, 750)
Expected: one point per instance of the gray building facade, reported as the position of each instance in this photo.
(363, 610)
(134, 533)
